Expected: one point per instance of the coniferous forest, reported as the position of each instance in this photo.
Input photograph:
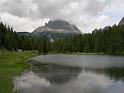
(109, 40)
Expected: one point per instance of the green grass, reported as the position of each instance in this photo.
(12, 65)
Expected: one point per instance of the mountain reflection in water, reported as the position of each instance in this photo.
(56, 73)
(57, 78)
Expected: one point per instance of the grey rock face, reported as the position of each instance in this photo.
(56, 29)
(122, 21)
(60, 24)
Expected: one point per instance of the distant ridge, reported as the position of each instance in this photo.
(122, 21)
(56, 29)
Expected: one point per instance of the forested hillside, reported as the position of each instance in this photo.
(109, 40)
(10, 40)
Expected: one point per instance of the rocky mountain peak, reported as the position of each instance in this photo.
(58, 26)
(61, 24)
(56, 29)
(57, 22)
(122, 21)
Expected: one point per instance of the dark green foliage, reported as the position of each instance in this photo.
(109, 40)
(13, 42)
(44, 46)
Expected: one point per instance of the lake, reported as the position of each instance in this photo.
(72, 74)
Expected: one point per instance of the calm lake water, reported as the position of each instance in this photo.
(73, 74)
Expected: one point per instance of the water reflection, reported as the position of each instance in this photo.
(114, 73)
(87, 61)
(50, 77)
(56, 73)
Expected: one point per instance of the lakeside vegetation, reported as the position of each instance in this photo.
(103, 41)
(109, 40)
(11, 65)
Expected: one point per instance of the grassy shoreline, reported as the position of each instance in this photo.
(12, 65)
(83, 53)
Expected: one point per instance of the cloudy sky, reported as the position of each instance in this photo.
(26, 15)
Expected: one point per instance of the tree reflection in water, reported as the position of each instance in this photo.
(54, 73)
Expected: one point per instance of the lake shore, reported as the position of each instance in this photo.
(61, 73)
(83, 53)
(11, 65)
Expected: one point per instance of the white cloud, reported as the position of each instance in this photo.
(96, 22)
(21, 24)
(86, 14)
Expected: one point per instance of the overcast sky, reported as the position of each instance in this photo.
(27, 15)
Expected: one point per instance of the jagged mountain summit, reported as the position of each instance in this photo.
(56, 29)
(122, 21)
(58, 26)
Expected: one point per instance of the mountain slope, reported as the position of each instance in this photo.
(56, 29)
(122, 21)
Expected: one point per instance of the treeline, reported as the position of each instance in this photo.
(109, 40)
(11, 41)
